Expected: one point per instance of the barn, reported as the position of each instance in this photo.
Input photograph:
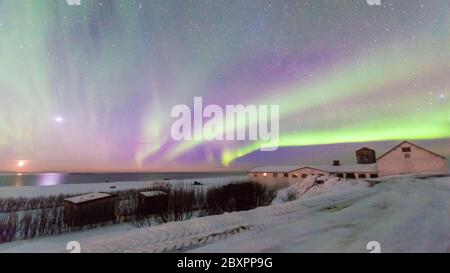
(405, 158)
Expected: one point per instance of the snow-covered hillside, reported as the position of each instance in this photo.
(404, 214)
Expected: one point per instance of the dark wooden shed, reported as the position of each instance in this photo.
(152, 202)
(90, 209)
(366, 156)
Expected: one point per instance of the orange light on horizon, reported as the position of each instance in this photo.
(21, 163)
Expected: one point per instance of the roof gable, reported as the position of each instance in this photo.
(365, 148)
(367, 168)
(276, 168)
(90, 197)
(412, 144)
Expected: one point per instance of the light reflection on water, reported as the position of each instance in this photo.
(19, 180)
(50, 179)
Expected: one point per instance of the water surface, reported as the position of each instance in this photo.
(48, 179)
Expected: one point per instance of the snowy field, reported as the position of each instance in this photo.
(404, 214)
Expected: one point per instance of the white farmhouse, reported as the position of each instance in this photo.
(404, 158)
(407, 158)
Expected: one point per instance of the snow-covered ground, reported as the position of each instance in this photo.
(403, 214)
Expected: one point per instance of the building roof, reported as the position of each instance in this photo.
(152, 193)
(417, 146)
(366, 168)
(88, 197)
(275, 168)
(364, 148)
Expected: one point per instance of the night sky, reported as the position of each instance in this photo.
(91, 87)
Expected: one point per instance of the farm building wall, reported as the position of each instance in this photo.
(299, 175)
(269, 177)
(284, 177)
(407, 158)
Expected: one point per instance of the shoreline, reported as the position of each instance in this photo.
(49, 179)
(37, 191)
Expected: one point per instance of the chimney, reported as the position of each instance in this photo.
(336, 163)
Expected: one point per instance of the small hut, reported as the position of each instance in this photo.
(89, 209)
(152, 202)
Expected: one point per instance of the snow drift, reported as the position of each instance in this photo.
(403, 214)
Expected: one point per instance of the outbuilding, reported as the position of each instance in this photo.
(152, 202)
(89, 209)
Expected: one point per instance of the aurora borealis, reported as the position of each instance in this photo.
(91, 87)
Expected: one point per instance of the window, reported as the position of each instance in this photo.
(286, 174)
(407, 156)
(304, 175)
(275, 174)
(362, 175)
(255, 175)
(350, 175)
(340, 175)
(373, 175)
(406, 149)
(294, 175)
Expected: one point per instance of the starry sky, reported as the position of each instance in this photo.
(91, 87)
